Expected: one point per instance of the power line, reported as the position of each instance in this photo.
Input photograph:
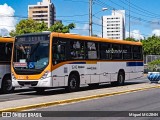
(144, 13)
(131, 16)
(18, 16)
(143, 10)
(76, 1)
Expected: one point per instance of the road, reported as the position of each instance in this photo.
(139, 101)
(148, 100)
(22, 93)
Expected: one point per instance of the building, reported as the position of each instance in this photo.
(43, 11)
(114, 25)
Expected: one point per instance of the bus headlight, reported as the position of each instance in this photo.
(45, 75)
(13, 77)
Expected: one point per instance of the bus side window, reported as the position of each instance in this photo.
(127, 54)
(61, 52)
(105, 51)
(137, 52)
(55, 52)
(58, 52)
(77, 50)
(116, 51)
(92, 50)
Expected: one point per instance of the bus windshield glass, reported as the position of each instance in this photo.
(31, 52)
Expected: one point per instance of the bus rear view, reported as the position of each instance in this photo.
(31, 60)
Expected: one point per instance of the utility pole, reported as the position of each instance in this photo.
(129, 21)
(90, 17)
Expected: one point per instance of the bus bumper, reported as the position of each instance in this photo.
(32, 83)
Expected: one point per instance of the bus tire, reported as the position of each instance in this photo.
(73, 83)
(120, 79)
(7, 85)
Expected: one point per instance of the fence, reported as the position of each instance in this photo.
(150, 58)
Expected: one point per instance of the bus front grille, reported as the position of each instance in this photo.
(28, 83)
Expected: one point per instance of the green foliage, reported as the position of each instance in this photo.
(60, 28)
(94, 35)
(151, 45)
(31, 26)
(28, 26)
(154, 65)
(130, 39)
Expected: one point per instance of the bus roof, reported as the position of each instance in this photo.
(6, 39)
(74, 36)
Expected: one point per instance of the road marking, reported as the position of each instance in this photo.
(53, 103)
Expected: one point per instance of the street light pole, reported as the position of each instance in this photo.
(90, 17)
(103, 9)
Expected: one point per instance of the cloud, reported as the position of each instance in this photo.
(135, 34)
(7, 22)
(85, 27)
(156, 32)
(81, 30)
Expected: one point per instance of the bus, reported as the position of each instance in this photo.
(49, 60)
(5, 61)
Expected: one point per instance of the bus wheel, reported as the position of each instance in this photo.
(120, 79)
(7, 85)
(73, 83)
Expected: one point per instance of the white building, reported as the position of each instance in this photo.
(114, 25)
(43, 11)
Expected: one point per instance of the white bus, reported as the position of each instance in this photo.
(5, 61)
(46, 60)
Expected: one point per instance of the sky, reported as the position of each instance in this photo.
(144, 15)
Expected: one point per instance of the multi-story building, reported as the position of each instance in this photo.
(114, 25)
(43, 11)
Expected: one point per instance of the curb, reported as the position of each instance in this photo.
(22, 108)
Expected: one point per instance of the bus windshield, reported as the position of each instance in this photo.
(31, 52)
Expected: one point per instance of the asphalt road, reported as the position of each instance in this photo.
(139, 101)
(24, 93)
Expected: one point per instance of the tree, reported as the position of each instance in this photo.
(28, 26)
(130, 39)
(60, 28)
(151, 45)
(154, 65)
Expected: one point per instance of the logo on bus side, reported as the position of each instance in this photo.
(76, 67)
